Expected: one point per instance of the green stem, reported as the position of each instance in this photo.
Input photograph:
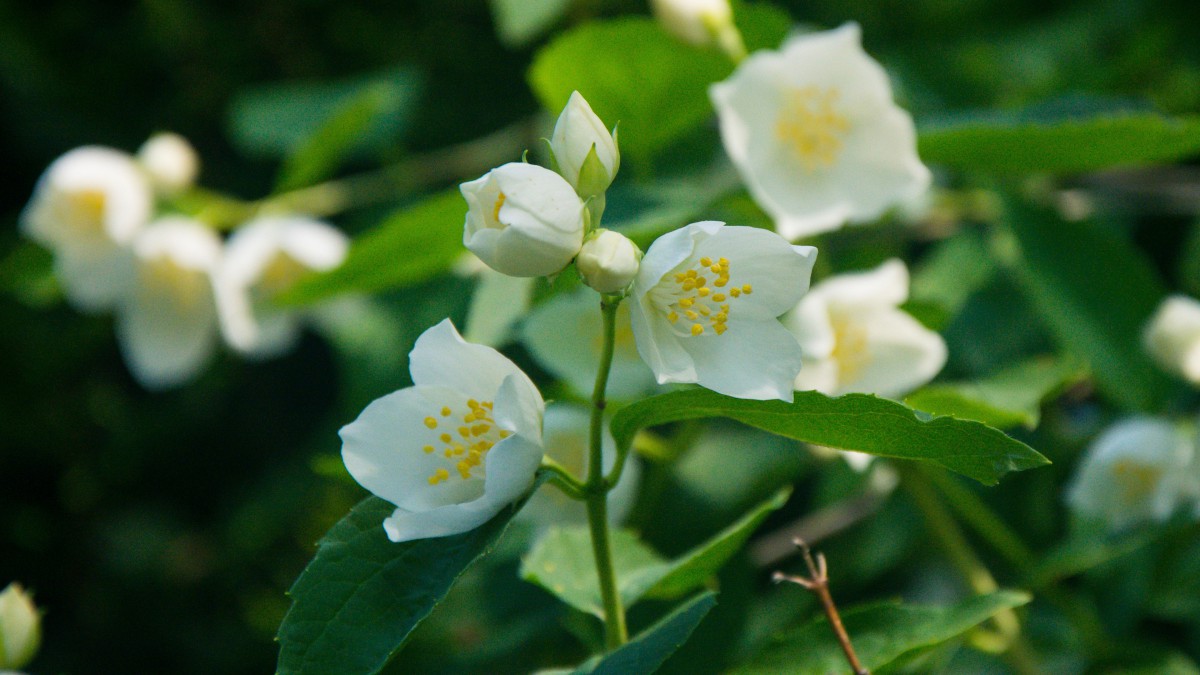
(983, 520)
(1006, 638)
(596, 488)
(563, 480)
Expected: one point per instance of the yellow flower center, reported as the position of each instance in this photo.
(463, 443)
(811, 124)
(697, 299)
(1135, 480)
(499, 203)
(280, 274)
(849, 348)
(86, 211)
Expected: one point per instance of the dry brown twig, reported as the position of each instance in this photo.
(818, 583)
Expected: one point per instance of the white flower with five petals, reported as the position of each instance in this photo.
(706, 304)
(264, 258)
(815, 135)
(167, 323)
(523, 220)
(87, 208)
(455, 448)
(855, 337)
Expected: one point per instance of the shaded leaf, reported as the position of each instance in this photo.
(645, 653)
(851, 422)
(1009, 398)
(319, 155)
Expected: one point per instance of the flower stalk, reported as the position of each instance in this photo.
(597, 487)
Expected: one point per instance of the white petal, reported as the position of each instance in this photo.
(658, 345)
(777, 271)
(93, 281)
(810, 323)
(518, 408)
(884, 286)
(752, 359)
(901, 355)
(818, 374)
(441, 357)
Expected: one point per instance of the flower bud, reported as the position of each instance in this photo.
(697, 22)
(523, 220)
(586, 153)
(608, 261)
(170, 161)
(1172, 336)
(20, 628)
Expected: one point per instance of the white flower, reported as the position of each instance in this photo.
(856, 339)
(20, 627)
(264, 258)
(608, 261)
(564, 336)
(170, 161)
(566, 441)
(584, 150)
(456, 447)
(696, 22)
(167, 324)
(815, 135)
(1140, 469)
(1172, 336)
(524, 220)
(87, 208)
(706, 301)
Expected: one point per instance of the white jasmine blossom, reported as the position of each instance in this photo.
(1140, 469)
(264, 258)
(706, 302)
(1172, 336)
(566, 437)
(455, 448)
(815, 135)
(167, 324)
(700, 22)
(584, 150)
(87, 208)
(523, 220)
(855, 338)
(170, 161)
(608, 261)
(564, 335)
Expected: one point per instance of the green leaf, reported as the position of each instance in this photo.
(952, 271)
(633, 73)
(275, 120)
(360, 598)
(645, 653)
(562, 563)
(519, 22)
(851, 422)
(880, 634)
(1095, 292)
(319, 155)
(410, 246)
(1061, 141)
(695, 567)
(763, 25)
(1009, 398)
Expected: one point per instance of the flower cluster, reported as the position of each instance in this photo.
(120, 244)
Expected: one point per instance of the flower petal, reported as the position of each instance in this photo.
(901, 355)
(441, 357)
(753, 359)
(777, 271)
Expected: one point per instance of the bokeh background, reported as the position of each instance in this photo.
(159, 531)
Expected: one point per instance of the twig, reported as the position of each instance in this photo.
(818, 583)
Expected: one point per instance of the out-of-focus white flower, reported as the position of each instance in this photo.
(856, 339)
(608, 261)
(20, 627)
(564, 335)
(707, 299)
(584, 150)
(264, 258)
(815, 135)
(524, 220)
(1172, 336)
(167, 324)
(87, 208)
(455, 448)
(1138, 470)
(565, 438)
(170, 161)
(700, 22)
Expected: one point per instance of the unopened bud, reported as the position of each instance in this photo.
(608, 261)
(1172, 337)
(170, 161)
(20, 628)
(584, 150)
(697, 22)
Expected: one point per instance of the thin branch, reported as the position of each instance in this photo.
(818, 583)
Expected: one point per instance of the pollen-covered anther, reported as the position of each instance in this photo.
(478, 434)
(692, 296)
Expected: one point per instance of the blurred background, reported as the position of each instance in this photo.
(160, 531)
